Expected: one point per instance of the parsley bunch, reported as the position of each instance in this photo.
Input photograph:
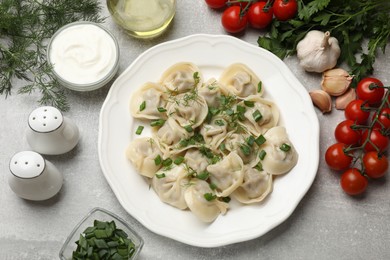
(353, 23)
(25, 27)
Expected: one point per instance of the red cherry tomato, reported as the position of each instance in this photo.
(384, 119)
(216, 3)
(353, 182)
(258, 16)
(376, 139)
(233, 21)
(285, 9)
(375, 166)
(354, 111)
(366, 92)
(345, 134)
(336, 158)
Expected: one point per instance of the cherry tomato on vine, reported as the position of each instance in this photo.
(354, 111)
(375, 166)
(383, 118)
(345, 134)
(260, 15)
(353, 182)
(216, 3)
(233, 21)
(336, 158)
(285, 9)
(366, 92)
(376, 139)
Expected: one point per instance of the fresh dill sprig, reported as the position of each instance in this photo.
(25, 27)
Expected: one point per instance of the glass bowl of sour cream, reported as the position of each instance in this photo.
(84, 56)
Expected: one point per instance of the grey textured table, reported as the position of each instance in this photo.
(327, 224)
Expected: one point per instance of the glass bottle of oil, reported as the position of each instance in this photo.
(142, 18)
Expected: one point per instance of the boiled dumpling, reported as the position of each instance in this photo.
(260, 114)
(227, 174)
(188, 109)
(214, 132)
(141, 152)
(170, 184)
(146, 102)
(238, 143)
(281, 155)
(170, 135)
(212, 91)
(202, 201)
(182, 77)
(255, 187)
(195, 160)
(241, 81)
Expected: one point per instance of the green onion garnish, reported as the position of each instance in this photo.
(209, 196)
(213, 186)
(157, 122)
(161, 109)
(188, 128)
(160, 176)
(262, 154)
(178, 160)
(259, 86)
(139, 130)
(259, 167)
(222, 147)
(246, 150)
(142, 106)
(250, 141)
(249, 103)
(203, 175)
(260, 140)
(229, 112)
(226, 199)
(219, 122)
(285, 147)
(257, 115)
(157, 160)
(167, 162)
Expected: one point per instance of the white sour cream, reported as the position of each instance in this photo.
(83, 53)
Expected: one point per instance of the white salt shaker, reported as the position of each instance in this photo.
(50, 132)
(32, 177)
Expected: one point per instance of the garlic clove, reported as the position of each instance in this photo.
(336, 81)
(322, 100)
(343, 100)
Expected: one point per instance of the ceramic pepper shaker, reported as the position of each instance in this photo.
(32, 177)
(50, 132)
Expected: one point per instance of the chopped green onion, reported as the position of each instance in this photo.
(142, 106)
(226, 199)
(285, 147)
(260, 140)
(160, 176)
(167, 162)
(259, 167)
(219, 122)
(259, 86)
(157, 160)
(257, 115)
(188, 128)
(251, 140)
(229, 111)
(222, 147)
(157, 122)
(262, 154)
(178, 160)
(161, 109)
(203, 175)
(209, 196)
(246, 150)
(213, 186)
(139, 130)
(249, 103)
(240, 109)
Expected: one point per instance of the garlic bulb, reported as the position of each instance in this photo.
(336, 81)
(318, 51)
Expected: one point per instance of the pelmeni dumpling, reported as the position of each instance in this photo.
(281, 155)
(260, 116)
(227, 174)
(147, 100)
(196, 160)
(241, 81)
(141, 152)
(170, 135)
(255, 187)
(214, 132)
(188, 109)
(170, 185)
(205, 210)
(212, 91)
(182, 77)
(238, 143)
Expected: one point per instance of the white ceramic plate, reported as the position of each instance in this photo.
(212, 54)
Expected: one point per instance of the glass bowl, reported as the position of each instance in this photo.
(88, 221)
